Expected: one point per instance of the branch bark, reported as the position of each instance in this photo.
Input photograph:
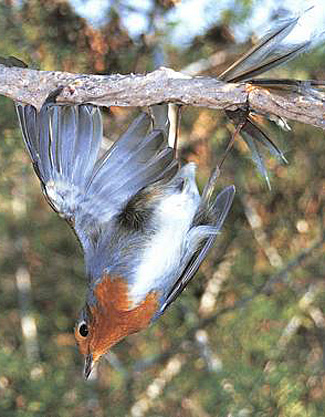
(163, 85)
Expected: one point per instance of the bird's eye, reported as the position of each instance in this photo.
(83, 329)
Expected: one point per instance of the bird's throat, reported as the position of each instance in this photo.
(114, 316)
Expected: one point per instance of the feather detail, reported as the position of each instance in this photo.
(200, 239)
(265, 55)
(63, 142)
(255, 132)
(257, 157)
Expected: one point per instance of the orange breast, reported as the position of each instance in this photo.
(114, 316)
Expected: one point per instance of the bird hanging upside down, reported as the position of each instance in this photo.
(142, 224)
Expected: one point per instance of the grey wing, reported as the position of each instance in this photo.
(64, 143)
(219, 210)
(136, 160)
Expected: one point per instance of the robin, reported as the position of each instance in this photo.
(142, 224)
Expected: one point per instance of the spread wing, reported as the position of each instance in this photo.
(85, 189)
(218, 212)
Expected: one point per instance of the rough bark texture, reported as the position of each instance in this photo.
(162, 85)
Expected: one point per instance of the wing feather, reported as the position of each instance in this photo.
(265, 55)
(219, 211)
(64, 143)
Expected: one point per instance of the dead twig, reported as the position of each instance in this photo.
(163, 85)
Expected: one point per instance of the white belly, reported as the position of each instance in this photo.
(161, 258)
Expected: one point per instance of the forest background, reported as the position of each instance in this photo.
(247, 338)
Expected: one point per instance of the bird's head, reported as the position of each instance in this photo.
(110, 318)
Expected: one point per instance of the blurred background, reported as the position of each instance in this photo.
(247, 337)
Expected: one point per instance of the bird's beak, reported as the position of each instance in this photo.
(89, 363)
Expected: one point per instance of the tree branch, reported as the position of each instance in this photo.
(163, 85)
